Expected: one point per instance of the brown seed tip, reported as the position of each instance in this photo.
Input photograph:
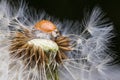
(45, 26)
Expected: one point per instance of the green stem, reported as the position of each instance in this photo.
(52, 74)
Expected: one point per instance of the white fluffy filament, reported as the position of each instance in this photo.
(90, 40)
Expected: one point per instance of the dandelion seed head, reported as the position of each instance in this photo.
(38, 47)
(43, 43)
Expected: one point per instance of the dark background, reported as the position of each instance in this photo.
(73, 10)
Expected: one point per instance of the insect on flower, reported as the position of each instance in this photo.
(39, 48)
(38, 52)
(45, 26)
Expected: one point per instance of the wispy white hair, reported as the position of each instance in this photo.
(90, 39)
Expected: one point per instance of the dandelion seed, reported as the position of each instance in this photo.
(35, 48)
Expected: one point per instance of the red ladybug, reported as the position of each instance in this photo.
(45, 26)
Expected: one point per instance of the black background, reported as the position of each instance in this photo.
(73, 10)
